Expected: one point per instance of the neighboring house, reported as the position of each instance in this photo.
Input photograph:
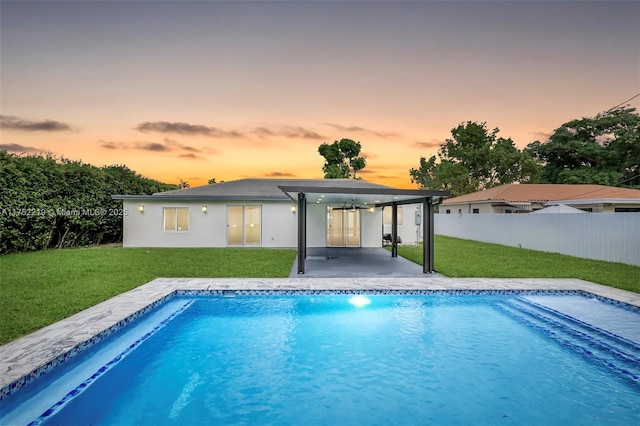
(526, 198)
(258, 213)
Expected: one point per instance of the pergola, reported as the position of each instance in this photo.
(369, 197)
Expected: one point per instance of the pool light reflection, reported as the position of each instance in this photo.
(359, 301)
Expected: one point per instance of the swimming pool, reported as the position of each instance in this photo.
(364, 358)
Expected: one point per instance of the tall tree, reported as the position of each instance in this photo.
(342, 159)
(444, 175)
(474, 158)
(604, 149)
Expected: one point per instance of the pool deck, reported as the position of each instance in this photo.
(24, 355)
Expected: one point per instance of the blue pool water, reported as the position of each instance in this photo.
(345, 359)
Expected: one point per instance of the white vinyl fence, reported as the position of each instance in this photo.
(613, 237)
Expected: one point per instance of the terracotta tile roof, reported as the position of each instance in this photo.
(546, 192)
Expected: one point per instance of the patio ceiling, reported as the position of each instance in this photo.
(360, 196)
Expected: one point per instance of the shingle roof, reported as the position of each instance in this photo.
(546, 192)
(261, 189)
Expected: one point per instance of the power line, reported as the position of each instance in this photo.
(622, 103)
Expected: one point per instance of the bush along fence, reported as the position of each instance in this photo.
(47, 202)
(612, 237)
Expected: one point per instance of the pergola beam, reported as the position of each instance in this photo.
(394, 230)
(400, 197)
(428, 230)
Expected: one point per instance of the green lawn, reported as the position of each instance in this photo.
(43, 287)
(454, 257)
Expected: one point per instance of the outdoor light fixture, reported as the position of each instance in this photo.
(141, 208)
(293, 209)
(204, 209)
(372, 209)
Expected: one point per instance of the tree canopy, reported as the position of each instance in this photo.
(342, 159)
(473, 159)
(604, 149)
(48, 202)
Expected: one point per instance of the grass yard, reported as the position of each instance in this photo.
(40, 288)
(454, 257)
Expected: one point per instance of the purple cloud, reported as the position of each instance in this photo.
(185, 129)
(15, 123)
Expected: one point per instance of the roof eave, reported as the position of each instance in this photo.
(599, 201)
(199, 198)
(363, 191)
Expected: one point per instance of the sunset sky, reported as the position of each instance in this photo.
(195, 90)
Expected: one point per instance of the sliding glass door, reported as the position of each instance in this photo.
(343, 227)
(244, 225)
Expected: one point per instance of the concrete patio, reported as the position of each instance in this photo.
(356, 262)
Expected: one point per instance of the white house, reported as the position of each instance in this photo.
(268, 213)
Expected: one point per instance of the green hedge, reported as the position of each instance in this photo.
(46, 202)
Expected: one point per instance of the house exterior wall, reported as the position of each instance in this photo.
(409, 232)
(279, 225)
(316, 225)
(467, 208)
(601, 207)
(609, 207)
(371, 232)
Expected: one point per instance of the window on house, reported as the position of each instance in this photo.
(176, 218)
(387, 215)
(476, 211)
(448, 211)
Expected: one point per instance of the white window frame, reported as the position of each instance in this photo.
(175, 209)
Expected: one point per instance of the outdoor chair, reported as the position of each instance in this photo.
(386, 239)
